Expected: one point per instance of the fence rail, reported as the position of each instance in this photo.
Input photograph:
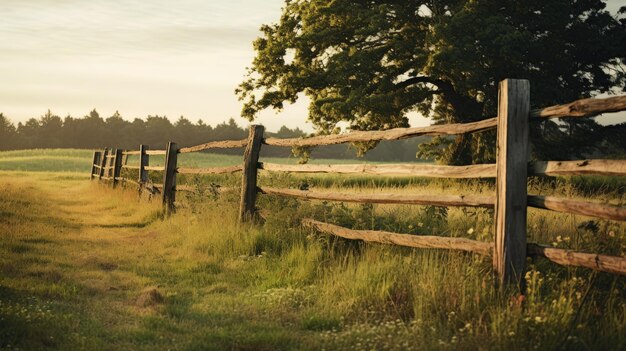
(511, 170)
(390, 134)
(416, 199)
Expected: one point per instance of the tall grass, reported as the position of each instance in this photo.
(75, 256)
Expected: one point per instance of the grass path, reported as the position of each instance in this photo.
(86, 268)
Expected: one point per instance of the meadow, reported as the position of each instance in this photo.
(84, 266)
(77, 160)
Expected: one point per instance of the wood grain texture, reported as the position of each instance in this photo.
(210, 170)
(103, 160)
(94, 164)
(247, 205)
(169, 178)
(154, 168)
(144, 161)
(416, 199)
(586, 208)
(611, 264)
(512, 168)
(415, 170)
(225, 144)
(195, 189)
(117, 166)
(391, 134)
(580, 167)
(418, 241)
(583, 108)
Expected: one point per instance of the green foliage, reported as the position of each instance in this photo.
(370, 63)
(303, 153)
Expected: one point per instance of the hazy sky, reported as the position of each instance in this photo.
(163, 57)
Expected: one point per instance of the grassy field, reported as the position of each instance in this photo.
(83, 266)
(75, 160)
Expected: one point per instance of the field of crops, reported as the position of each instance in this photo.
(84, 266)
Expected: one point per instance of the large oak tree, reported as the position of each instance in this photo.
(370, 63)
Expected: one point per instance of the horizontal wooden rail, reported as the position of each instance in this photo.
(581, 167)
(194, 189)
(135, 152)
(96, 166)
(154, 168)
(582, 108)
(155, 152)
(211, 170)
(435, 200)
(415, 170)
(617, 213)
(611, 264)
(549, 168)
(224, 144)
(419, 241)
(391, 134)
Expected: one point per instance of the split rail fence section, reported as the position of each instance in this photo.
(511, 170)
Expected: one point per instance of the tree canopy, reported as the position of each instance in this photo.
(370, 63)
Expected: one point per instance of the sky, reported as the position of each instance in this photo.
(140, 58)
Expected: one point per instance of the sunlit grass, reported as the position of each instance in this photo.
(76, 255)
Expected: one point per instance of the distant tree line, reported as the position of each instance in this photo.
(94, 132)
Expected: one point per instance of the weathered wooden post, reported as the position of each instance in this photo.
(94, 164)
(103, 163)
(117, 166)
(144, 161)
(511, 161)
(109, 166)
(169, 177)
(250, 169)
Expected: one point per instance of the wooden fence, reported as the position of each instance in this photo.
(510, 201)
